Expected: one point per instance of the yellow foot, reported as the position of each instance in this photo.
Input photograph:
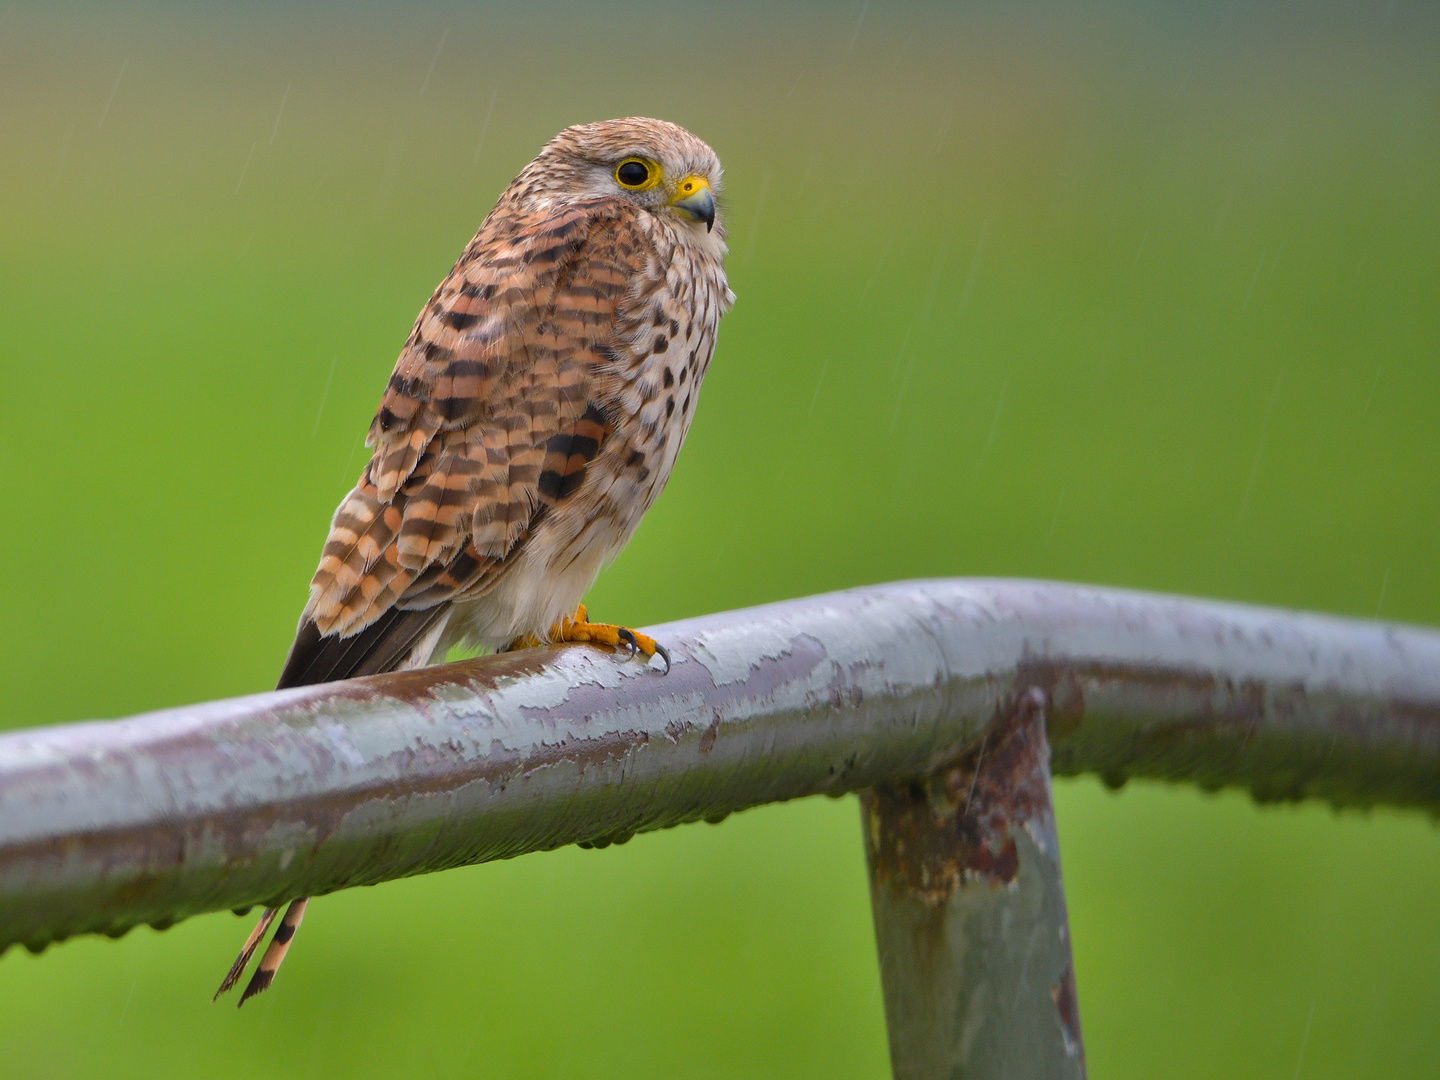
(578, 627)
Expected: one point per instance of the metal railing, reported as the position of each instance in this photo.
(933, 698)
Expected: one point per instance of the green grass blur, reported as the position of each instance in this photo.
(1139, 294)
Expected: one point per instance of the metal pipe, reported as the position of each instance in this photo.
(970, 916)
(301, 792)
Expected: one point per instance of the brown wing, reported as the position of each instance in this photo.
(489, 420)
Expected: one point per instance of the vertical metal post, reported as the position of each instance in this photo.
(970, 916)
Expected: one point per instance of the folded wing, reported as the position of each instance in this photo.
(490, 420)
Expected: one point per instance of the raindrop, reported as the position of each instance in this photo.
(858, 23)
(906, 358)
(1305, 1040)
(819, 382)
(113, 90)
(1224, 213)
(433, 61)
(246, 167)
(63, 159)
(1144, 240)
(323, 395)
(875, 274)
(485, 127)
(390, 174)
(940, 136)
(283, 98)
(942, 256)
(1253, 279)
(974, 268)
(128, 996)
(1054, 520)
(351, 459)
(994, 426)
(755, 221)
(1260, 450)
(1371, 396)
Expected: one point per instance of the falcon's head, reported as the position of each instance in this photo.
(654, 164)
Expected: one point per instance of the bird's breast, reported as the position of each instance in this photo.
(661, 349)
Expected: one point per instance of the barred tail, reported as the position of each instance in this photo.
(275, 953)
(399, 640)
(242, 961)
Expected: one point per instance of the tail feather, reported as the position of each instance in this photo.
(275, 952)
(396, 641)
(243, 960)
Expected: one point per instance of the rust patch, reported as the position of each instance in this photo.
(958, 825)
(707, 740)
(1067, 1005)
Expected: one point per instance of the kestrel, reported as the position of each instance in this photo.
(533, 416)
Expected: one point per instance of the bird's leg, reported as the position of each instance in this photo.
(578, 627)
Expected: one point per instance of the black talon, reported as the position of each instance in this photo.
(627, 638)
(664, 654)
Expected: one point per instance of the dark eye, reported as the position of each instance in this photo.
(632, 174)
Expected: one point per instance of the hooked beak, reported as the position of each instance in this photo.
(693, 198)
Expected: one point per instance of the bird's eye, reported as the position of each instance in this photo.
(635, 174)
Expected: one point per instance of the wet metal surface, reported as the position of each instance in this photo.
(300, 792)
(969, 910)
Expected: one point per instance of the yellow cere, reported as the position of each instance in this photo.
(691, 185)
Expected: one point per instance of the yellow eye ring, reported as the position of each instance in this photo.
(637, 174)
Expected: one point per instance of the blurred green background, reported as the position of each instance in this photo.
(1145, 294)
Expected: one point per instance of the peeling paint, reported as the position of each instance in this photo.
(106, 825)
